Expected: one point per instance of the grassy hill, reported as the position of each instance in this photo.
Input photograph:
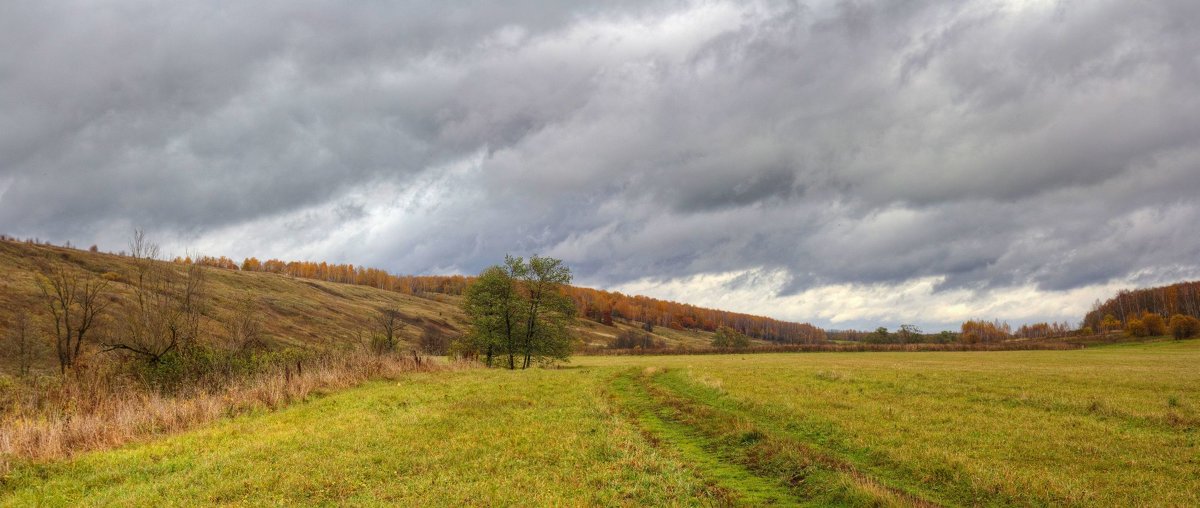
(296, 312)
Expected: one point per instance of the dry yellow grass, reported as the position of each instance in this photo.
(96, 410)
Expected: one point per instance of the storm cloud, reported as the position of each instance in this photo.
(850, 163)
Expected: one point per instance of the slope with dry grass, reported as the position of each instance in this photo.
(293, 312)
(296, 312)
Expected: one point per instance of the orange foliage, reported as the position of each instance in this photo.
(1180, 298)
(604, 306)
(974, 331)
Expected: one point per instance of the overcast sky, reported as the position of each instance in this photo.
(852, 164)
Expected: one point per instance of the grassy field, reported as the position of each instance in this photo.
(1106, 426)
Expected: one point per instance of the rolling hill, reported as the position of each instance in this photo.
(296, 311)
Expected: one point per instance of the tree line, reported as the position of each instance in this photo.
(1181, 299)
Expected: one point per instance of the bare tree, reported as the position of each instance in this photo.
(389, 321)
(165, 312)
(434, 341)
(244, 328)
(142, 249)
(23, 343)
(75, 301)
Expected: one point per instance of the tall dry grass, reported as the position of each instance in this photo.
(98, 408)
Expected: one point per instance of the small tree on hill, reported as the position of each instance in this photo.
(388, 323)
(165, 312)
(75, 301)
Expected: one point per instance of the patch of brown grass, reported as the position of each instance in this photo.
(51, 418)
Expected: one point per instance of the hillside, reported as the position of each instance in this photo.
(604, 307)
(295, 311)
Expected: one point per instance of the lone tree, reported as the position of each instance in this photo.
(519, 313)
(388, 323)
(75, 301)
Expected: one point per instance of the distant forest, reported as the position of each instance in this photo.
(1181, 298)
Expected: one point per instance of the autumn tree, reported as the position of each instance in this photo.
(978, 330)
(1136, 328)
(1155, 325)
(75, 301)
(1109, 323)
(1183, 327)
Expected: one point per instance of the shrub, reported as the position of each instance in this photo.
(434, 341)
(1155, 325)
(1136, 328)
(1183, 327)
(728, 337)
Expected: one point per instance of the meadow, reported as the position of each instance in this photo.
(1114, 425)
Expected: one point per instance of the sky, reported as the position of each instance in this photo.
(847, 163)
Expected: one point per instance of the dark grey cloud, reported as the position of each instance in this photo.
(986, 144)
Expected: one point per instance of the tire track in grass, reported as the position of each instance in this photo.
(730, 484)
(719, 439)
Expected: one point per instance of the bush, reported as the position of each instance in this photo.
(1183, 327)
(1155, 325)
(434, 341)
(728, 337)
(1136, 328)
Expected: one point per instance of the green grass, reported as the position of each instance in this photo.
(483, 437)
(1098, 427)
